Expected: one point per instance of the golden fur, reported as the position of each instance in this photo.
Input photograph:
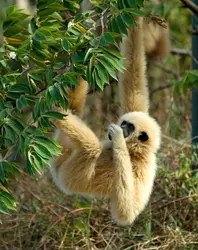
(120, 169)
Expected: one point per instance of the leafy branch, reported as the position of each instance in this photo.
(43, 56)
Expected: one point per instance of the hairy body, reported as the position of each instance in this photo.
(123, 167)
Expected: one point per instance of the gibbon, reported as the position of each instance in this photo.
(121, 168)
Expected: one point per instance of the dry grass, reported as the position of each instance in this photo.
(47, 219)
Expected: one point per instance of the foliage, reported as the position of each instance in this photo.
(188, 80)
(40, 58)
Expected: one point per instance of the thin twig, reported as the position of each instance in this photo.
(176, 141)
(160, 88)
(190, 5)
(177, 200)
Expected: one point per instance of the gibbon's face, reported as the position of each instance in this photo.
(140, 129)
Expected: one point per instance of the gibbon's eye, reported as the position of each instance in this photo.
(143, 137)
(127, 128)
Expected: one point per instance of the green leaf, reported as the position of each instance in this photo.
(36, 162)
(38, 36)
(102, 73)
(108, 67)
(36, 110)
(19, 105)
(136, 12)
(114, 61)
(10, 134)
(66, 45)
(128, 19)
(112, 52)
(19, 88)
(45, 123)
(48, 76)
(9, 10)
(28, 163)
(14, 30)
(140, 3)
(132, 3)
(15, 125)
(98, 80)
(108, 38)
(51, 145)
(23, 100)
(41, 150)
(53, 114)
(122, 25)
(2, 174)
(114, 26)
(6, 201)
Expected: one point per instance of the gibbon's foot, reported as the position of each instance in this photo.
(115, 132)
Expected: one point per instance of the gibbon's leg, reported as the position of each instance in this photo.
(156, 40)
(122, 197)
(132, 82)
(76, 173)
(77, 97)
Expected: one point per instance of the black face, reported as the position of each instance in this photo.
(127, 128)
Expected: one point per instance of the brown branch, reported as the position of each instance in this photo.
(190, 5)
(160, 88)
(185, 52)
(168, 71)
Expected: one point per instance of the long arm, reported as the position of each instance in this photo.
(122, 199)
(132, 82)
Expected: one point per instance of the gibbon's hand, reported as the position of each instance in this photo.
(115, 132)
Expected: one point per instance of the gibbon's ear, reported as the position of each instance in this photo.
(143, 137)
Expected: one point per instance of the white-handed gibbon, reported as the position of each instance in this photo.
(121, 168)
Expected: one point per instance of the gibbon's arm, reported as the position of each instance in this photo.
(132, 82)
(122, 199)
(79, 134)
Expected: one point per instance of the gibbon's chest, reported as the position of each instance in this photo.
(143, 166)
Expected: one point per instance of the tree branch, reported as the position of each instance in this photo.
(160, 88)
(190, 5)
(183, 52)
